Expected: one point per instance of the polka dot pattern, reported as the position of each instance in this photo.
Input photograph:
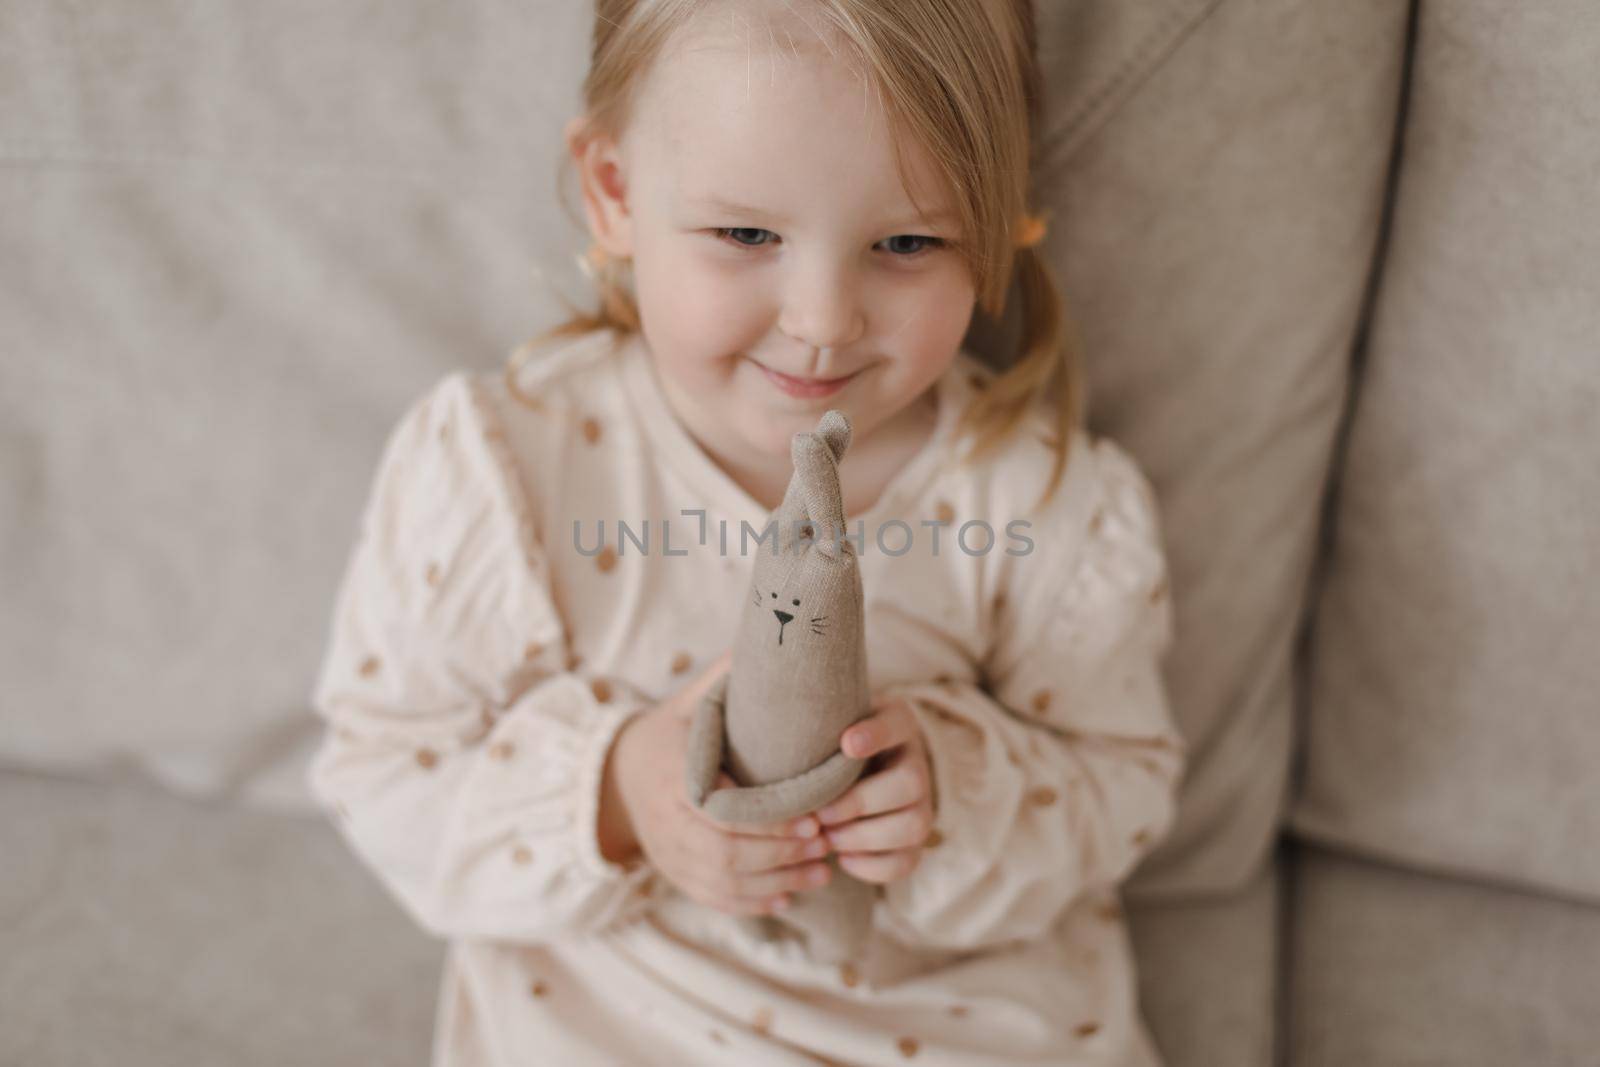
(681, 662)
(606, 560)
(426, 758)
(510, 480)
(369, 666)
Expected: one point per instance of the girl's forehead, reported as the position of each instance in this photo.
(732, 108)
(725, 45)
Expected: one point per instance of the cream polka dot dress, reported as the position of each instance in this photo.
(488, 639)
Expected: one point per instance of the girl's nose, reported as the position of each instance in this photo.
(822, 310)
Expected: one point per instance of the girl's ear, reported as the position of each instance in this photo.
(605, 195)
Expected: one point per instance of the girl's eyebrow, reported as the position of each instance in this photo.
(719, 203)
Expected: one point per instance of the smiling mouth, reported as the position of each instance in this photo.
(805, 387)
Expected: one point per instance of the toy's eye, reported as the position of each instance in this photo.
(774, 596)
(797, 603)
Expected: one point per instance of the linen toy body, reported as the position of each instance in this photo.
(798, 680)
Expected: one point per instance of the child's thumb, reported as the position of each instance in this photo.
(692, 693)
(715, 669)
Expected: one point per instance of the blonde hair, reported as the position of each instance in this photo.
(962, 77)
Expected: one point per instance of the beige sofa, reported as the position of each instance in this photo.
(1338, 268)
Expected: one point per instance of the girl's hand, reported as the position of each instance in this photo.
(741, 869)
(880, 823)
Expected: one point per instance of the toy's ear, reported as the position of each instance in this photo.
(816, 472)
(835, 431)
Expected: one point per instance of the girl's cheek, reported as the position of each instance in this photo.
(929, 315)
(952, 291)
(695, 304)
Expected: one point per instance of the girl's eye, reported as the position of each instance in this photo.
(748, 236)
(905, 244)
(743, 234)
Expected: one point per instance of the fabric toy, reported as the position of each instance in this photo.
(798, 680)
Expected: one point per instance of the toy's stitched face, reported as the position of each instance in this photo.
(791, 610)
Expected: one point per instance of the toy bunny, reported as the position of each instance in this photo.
(798, 680)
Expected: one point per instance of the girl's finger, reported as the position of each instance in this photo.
(801, 826)
(895, 786)
(748, 854)
(739, 905)
(880, 867)
(906, 828)
(770, 883)
(890, 724)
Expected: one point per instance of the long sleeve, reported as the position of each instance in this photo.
(463, 760)
(1062, 773)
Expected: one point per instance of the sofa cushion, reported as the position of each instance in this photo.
(144, 930)
(239, 239)
(1391, 966)
(1209, 974)
(1213, 234)
(1454, 680)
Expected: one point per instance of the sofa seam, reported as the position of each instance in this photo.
(1146, 57)
(1292, 848)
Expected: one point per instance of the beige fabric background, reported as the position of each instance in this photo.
(1456, 714)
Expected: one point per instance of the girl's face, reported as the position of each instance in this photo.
(774, 246)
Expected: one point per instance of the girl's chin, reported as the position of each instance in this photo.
(772, 439)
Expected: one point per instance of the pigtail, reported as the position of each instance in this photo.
(1047, 370)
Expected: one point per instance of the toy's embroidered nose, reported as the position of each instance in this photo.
(783, 617)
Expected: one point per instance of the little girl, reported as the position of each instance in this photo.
(796, 205)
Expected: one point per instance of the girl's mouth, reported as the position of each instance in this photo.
(805, 388)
